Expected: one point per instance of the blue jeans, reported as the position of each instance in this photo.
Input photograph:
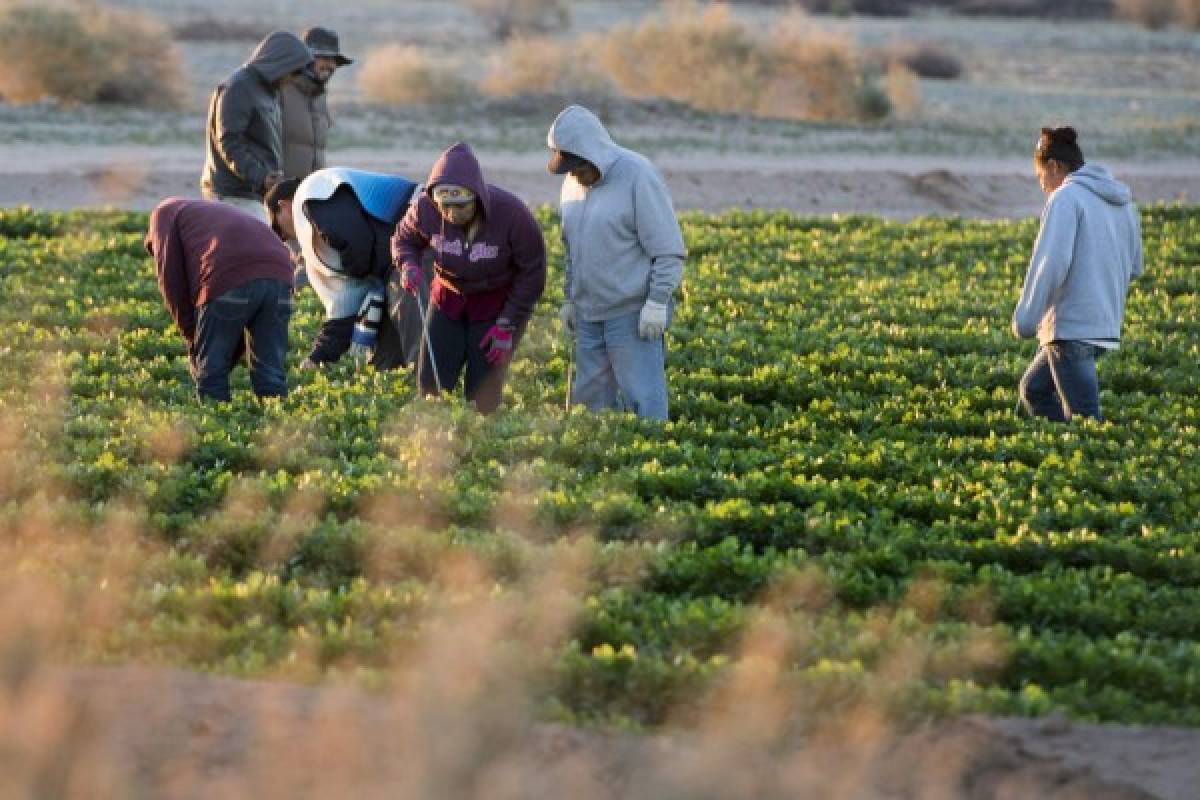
(1061, 382)
(617, 369)
(259, 311)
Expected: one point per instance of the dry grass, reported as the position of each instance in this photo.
(542, 66)
(402, 75)
(81, 52)
(710, 61)
(506, 19)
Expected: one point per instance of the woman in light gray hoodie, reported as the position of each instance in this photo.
(1088, 250)
(624, 261)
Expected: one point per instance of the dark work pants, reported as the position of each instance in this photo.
(1061, 382)
(260, 311)
(455, 346)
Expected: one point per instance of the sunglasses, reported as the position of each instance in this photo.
(453, 197)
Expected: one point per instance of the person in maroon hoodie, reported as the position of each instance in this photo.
(227, 282)
(489, 272)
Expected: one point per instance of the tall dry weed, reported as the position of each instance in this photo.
(404, 75)
(85, 52)
(815, 76)
(702, 57)
(708, 59)
(1158, 14)
(542, 66)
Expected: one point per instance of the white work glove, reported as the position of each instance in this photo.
(653, 320)
(566, 315)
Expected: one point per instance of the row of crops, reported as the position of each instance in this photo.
(844, 455)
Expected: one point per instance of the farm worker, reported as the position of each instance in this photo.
(489, 265)
(306, 117)
(228, 285)
(244, 133)
(1088, 250)
(341, 220)
(624, 261)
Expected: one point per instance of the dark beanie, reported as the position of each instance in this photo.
(1061, 145)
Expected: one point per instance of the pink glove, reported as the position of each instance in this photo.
(413, 279)
(498, 343)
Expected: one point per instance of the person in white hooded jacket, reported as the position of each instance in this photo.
(624, 261)
(1088, 250)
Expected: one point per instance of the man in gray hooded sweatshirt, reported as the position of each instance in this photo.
(624, 261)
(244, 136)
(1088, 250)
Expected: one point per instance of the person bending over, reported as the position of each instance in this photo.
(227, 283)
(341, 221)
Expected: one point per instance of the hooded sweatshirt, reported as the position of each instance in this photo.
(245, 124)
(384, 197)
(202, 249)
(623, 243)
(1088, 250)
(500, 271)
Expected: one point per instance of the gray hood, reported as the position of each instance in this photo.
(577, 130)
(1100, 182)
(279, 55)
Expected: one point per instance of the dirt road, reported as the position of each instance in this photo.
(898, 187)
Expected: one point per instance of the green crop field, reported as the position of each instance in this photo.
(844, 467)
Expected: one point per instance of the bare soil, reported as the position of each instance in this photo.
(136, 732)
(899, 187)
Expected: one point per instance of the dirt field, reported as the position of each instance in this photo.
(153, 733)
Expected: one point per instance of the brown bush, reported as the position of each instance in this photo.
(902, 90)
(212, 29)
(705, 59)
(710, 61)
(81, 52)
(1153, 14)
(402, 75)
(814, 76)
(1157, 14)
(506, 19)
(542, 66)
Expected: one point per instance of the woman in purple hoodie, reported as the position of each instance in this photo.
(489, 263)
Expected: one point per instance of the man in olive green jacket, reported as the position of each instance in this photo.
(306, 118)
(244, 134)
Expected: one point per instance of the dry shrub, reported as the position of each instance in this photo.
(816, 76)
(1153, 14)
(403, 75)
(710, 61)
(1187, 13)
(82, 52)
(212, 29)
(506, 19)
(1157, 14)
(705, 59)
(902, 89)
(541, 66)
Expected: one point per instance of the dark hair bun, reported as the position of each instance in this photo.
(1066, 135)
